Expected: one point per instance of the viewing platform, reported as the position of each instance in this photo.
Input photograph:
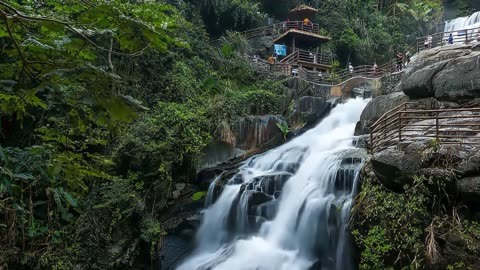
(280, 29)
(459, 37)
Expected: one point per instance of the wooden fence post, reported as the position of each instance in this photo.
(400, 127)
(436, 127)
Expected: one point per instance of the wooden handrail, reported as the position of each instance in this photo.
(397, 125)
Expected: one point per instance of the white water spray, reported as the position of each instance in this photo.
(254, 226)
(461, 23)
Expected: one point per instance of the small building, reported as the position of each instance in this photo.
(301, 34)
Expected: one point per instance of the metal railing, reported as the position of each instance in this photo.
(464, 36)
(411, 121)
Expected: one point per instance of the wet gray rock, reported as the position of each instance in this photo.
(389, 84)
(459, 80)
(376, 108)
(309, 110)
(449, 73)
(252, 132)
(469, 190)
(258, 198)
(407, 162)
(180, 187)
(176, 194)
(470, 164)
(420, 83)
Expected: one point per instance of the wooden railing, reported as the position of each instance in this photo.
(298, 25)
(265, 67)
(464, 36)
(323, 58)
(277, 29)
(302, 56)
(280, 28)
(339, 76)
(410, 121)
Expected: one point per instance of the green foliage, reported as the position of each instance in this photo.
(198, 195)
(284, 129)
(389, 227)
(376, 246)
(171, 134)
(222, 15)
(364, 32)
(40, 198)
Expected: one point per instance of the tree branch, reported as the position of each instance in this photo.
(19, 15)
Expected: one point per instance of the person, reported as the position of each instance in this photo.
(450, 39)
(426, 42)
(271, 60)
(407, 59)
(430, 41)
(307, 22)
(375, 68)
(399, 61)
(350, 68)
(294, 72)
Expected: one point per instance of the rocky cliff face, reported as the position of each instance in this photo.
(435, 186)
(449, 73)
(376, 108)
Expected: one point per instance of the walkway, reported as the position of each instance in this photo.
(291, 66)
(412, 122)
(465, 36)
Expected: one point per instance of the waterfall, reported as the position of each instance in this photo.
(461, 23)
(288, 208)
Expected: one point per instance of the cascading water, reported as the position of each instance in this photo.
(461, 23)
(287, 208)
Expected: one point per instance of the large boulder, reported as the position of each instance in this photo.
(449, 73)
(420, 83)
(469, 190)
(459, 80)
(253, 132)
(435, 55)
(309, 110)
(376, 108)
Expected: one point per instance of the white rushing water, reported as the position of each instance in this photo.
(461, 23)
(254, 226)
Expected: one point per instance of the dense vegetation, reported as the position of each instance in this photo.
(423, 226)
(105, 105)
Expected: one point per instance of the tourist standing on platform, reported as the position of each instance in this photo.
(450, 39)
(428, 42)
(350, 69)
(375, 69)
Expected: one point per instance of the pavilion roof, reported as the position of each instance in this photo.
(301, 38)
(301, 12)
